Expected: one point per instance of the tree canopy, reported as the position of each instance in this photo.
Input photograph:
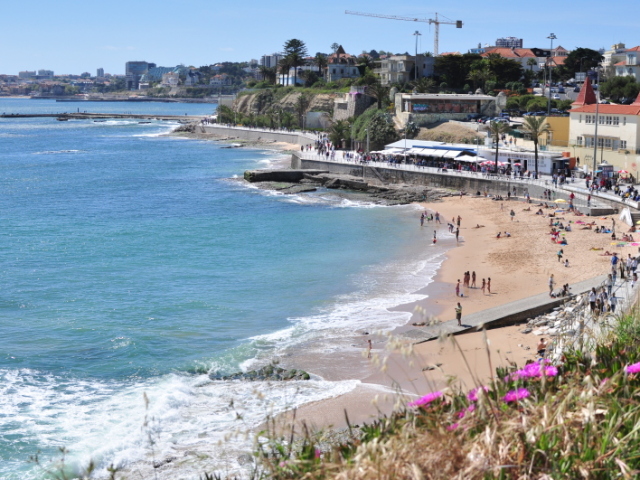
(585, 56)
(620, 89)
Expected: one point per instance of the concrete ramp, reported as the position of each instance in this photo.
(502, 316)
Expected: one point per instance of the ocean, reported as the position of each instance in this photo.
(134, 263)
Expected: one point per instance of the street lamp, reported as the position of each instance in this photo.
(415, 63)
(552, 37)
(595, 133)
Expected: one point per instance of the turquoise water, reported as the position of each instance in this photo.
(132, 262)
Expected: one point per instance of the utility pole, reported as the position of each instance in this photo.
(415, 76)
(552, 37)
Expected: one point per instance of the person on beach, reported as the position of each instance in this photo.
(473, 279)
(434, 237)
(592, 299)
(438, 217)
(458, 220)
(370, 347)
(484, 285)
(560, 253)
(513, 214)
(459, 314)
(542, 347)
(457, 233)
(458, 288)
(422, 219)
(489, 285)
(552, 282)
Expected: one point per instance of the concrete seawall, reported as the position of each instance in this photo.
(259, 135)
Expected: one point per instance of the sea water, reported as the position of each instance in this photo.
(133, 263)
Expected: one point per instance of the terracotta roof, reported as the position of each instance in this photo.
(506, 52)
(450, 53)
(637, 101)
(607, 109)
(634, 49)
(620, 64)
(558, 60)
(586, 96)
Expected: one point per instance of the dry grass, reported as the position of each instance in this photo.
(450, 133)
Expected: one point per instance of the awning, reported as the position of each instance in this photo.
(467, 159)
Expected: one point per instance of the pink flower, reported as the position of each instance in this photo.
(473, 394)
(318, 453)
(461, 414)
(515, 395)
(427, 399)
(471, 408)
(534, 370)
(452, 427)
(635, 368)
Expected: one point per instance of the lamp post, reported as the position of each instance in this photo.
(415, 63)
(597, 119)
(552, 37)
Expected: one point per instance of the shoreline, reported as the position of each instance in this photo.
(519, 267)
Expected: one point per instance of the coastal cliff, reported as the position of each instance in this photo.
(263, 101)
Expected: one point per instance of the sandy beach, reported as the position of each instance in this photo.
(519, 266)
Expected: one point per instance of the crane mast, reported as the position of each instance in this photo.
(435, 21)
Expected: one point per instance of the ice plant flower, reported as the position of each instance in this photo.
(534, 370)
(634, 368)
(427, 399)
(452, 427)
(473, 394)
(515, 395)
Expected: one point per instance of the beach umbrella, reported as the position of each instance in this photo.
(561, 200)
(622, 171)
(638, 222)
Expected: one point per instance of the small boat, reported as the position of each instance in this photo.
(99, 121)
(143, 122)
(62, 119)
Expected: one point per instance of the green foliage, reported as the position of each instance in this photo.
(535, 127)
(490, 86)
(537, 104)
(577, 58)
(454, 69)
(379, 92)
(424, 85)
(620, 89)
(379, 126)
(339, 133)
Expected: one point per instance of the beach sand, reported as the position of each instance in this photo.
(519, 266)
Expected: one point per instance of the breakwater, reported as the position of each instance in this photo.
(103, 116)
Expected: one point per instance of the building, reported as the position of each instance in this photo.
(526, 57)
(427, 108)
(341, 65)
(509, 42)
(271, 61)
(401, 68)
(26, 74)
(351, 104)
(221, 80)
(618, 133)
(134, 71)
(100, 72)
(616, 54)
(629, 65)
(170, 79)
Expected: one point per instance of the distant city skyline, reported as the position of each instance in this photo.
(71, 37)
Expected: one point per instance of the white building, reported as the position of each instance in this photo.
(400, 68)
(618, 136)
(170, 79)
(629, 65)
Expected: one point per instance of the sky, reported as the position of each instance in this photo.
(72, 36)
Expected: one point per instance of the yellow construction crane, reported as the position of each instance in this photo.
(435, 21)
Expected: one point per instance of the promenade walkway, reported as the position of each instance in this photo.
(503, 315)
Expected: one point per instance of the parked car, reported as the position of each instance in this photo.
(561, 90)
(555, 96)
(577, 89)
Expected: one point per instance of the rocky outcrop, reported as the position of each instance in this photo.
(253, 176)
(262, 101)
(270, 372)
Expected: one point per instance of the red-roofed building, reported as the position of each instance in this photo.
(618, 140)
(341, 65)
(630, 65)
(524, 56)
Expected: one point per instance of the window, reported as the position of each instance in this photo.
(588, 119)
(624, 121)
(616, 121)
(607, 143)
(609, 120)
(600, 142)
(623, 144)
(579, 141)
(580, 119)
(601, 120)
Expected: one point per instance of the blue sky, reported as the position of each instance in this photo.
(72, 36)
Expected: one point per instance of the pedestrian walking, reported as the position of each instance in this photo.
(484, 285)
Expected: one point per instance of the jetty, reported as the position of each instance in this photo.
(104, 116)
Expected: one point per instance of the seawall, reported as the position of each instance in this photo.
(259, 135)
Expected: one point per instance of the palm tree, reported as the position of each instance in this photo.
(497, 129)
(424, 84)
(339, 132)
(285, 65)
(480, 76)
(532, 62)
(321, 61)
(535, 127)
(377, 91)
